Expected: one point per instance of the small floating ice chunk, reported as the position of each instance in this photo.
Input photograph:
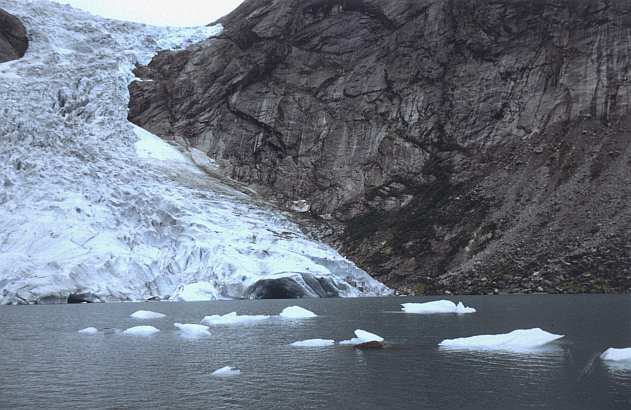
(141, 331)
(616, 355)
(521, 339)
(296, 312)
(226, 372)
(362, 337)
(89, 331)
(438, 306)
(232, 319)
(146, 315)
(314, 343)
(192, 330)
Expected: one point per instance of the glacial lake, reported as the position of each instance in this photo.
(45, 363)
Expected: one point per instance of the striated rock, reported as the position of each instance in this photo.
(444, 142)
(13, 37)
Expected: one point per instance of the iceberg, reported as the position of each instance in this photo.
(146, 315)
(89, 331)
(363, 337)
(226, 372)
(314, 343)
(192, 330)
(617, 355)
(232, 319)
(141, 331)
(438, 306)
(517, 340)
(296, 312)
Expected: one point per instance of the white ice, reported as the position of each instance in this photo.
(192, 330)
(517, 340)
(91, 203)
(296, 312)
(226, 372)
(616, 355)
(438, 306)
(361, 337)
(146, 315)
(314, 343)
(141, 331)
(89, 331)
(232, 319)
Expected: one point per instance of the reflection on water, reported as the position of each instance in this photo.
(45, 363)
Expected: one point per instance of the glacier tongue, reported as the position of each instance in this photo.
(90, 204)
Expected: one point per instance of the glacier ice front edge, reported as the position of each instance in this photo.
(94, 206)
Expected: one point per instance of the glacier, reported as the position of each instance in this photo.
(92, 208)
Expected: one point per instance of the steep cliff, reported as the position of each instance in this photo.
(459, 145)
(13, 38)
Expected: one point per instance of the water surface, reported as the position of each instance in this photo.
(44, 363)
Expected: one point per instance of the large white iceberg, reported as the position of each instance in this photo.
(361, 337)
(617, 355)
(192, 330)
(314, 343)
(226, 371)
(517, 340)
(92, 205)
(141, 331)
(296, 312)
(232, 319)
(438, 306)
(146, 315)
(89, 331)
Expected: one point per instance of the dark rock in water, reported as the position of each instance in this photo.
(442, 145)
(82, 298)
(369, 345)
(13, 37)
(294, 286)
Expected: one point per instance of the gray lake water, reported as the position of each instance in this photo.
(45, 363)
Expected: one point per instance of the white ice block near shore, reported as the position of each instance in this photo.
(438, 306)
(146, 315)
(141, 331)
(232, 319)
(313, 343)
(192, 330)
(617, 355)
(361, 337)
(296, 312)
(517, 340)
(227, 371)
(89, 331)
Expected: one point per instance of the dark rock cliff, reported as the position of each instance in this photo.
(461, 145)
(13, 38)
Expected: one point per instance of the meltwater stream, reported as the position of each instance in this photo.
(45, 363)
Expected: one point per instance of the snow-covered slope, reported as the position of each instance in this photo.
(91, 205)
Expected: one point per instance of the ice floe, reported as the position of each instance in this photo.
(141, 331)
(314, 343)
(226, 372)
(517, 340)
(146, 315)
(232, 319)
(89, 331)
(296, 312)
(438, 306)
(362, 337)
(192, 330)
(617, 355)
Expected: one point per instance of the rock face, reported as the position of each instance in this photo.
(13, 39)
(466, 145)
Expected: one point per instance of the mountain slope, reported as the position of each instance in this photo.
(464, 146)
(95, 209)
